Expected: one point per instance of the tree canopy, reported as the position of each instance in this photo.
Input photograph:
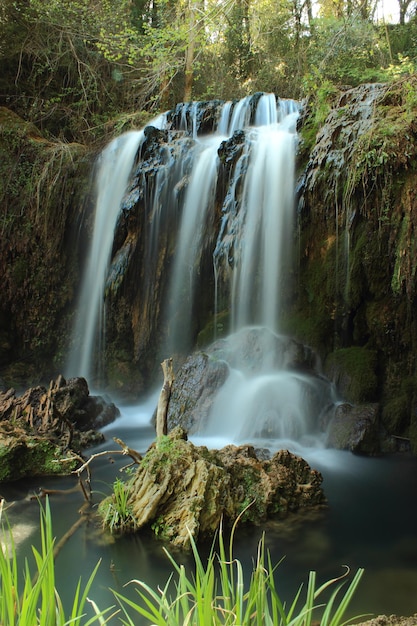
(82, 68)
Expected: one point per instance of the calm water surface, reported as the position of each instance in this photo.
(370, 522)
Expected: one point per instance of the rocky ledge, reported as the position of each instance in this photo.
(43, 430)
(182, 490)
(391, 620)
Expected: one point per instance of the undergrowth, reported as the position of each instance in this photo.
(215, 594)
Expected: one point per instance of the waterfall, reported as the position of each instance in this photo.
(256, 230)
(242, 220)
(197, 209)
(114, 169)
(259, 226)
(270, 406)
(265, 224)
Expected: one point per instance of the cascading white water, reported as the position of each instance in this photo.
(256, 229)
(273, 394)
(268, 406)
(254, 239)
(114, 169)
(197, 209)
(265, 223)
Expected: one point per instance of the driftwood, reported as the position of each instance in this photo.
(126, 451)
(164, 397)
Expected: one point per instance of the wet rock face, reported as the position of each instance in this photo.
(180, 489)
(356, 293)
(40, 430)
(205, 114)
(256, 350)
(193, 391)
(334, 147)
(251, 350)
(143, 246)
(355, 428)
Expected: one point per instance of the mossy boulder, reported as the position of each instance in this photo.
(353, 370)
(23, 455)
(43, 431)
(181, 490)
(355, 428)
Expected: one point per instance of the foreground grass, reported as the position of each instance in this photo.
(215, 594)
(30, 598)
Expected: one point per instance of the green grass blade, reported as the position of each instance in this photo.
(343, 605)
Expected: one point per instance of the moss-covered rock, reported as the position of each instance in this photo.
(353, 370)
(42, 192)
(22, 455)
(43, 431)
(356, 287)
(181, 490)
(355, 428)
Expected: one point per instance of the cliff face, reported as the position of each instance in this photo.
(42, 192)
(354, 288)
(356, 284)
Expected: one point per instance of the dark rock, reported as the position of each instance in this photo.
(353, 371)
(252, 350)
(355, 428)
(42, 429)
(194, 390)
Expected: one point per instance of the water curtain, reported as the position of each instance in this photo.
(250, 223)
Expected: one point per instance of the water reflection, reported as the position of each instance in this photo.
(370, 522)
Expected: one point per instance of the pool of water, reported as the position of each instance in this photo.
(370, 521)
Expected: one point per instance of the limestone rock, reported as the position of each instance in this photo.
(194, 390)
(355, 428)
(181, 489)
(391, 620)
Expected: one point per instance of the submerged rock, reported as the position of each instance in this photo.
(42, 429)
(181, 490)
(391, 620)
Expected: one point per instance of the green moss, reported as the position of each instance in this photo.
(215, 329)
(398, 407)
(254, 500)
(354, 372)
(395, 414)
(32, 457)
(165, 452)
(162, 530)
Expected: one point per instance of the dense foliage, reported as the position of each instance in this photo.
(79, 69)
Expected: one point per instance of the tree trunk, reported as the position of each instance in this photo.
(189, 53)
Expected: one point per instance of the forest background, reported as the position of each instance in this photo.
(86, 69)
